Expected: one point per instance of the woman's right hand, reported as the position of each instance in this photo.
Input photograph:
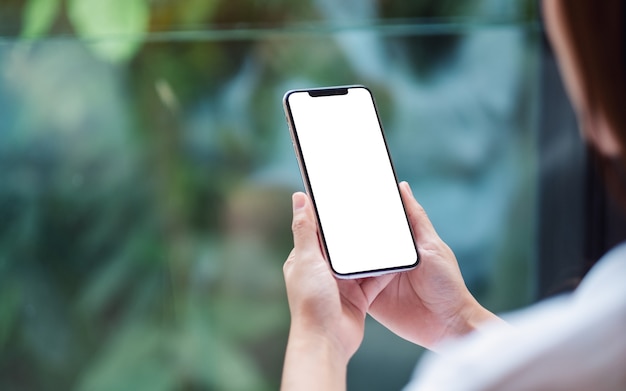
(430, 303)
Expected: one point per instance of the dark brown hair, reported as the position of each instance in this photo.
(595, 35)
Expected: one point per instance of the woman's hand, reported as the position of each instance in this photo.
(327, 314)
(431, 302)
(425, 305)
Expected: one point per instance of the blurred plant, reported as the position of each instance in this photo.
(38, 17)
(113, 28)
(138, 248)
(118, 269)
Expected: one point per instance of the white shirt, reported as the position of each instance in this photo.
(573, 342)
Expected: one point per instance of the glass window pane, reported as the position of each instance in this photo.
(146, 171)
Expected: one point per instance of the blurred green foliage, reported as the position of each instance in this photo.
(141, 244)
(38, 17)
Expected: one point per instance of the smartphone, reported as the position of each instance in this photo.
(347, 172)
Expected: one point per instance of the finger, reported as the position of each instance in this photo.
(372, 286)
(303, 224)
(422, 227)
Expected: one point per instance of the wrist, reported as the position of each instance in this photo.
(313, 361)
(320, 341)
(480, 317)
(471, 318)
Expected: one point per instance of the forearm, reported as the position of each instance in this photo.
(312, 362)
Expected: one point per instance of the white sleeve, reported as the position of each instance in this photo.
(574, 342)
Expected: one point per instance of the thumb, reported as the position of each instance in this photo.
(422, 227)
(303, 225)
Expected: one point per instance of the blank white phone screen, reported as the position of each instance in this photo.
(352, 182)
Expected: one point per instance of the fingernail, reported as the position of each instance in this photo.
(298, 200)
(409, 188)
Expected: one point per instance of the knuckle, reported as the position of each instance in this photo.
(300, 223)
(289, 261)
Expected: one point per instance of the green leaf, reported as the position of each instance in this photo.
(113, 28)
(38, 17)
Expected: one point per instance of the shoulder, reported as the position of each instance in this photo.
(572, 342)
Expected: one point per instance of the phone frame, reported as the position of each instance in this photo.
(329, 91)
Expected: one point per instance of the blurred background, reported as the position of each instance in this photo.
(146, 171)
